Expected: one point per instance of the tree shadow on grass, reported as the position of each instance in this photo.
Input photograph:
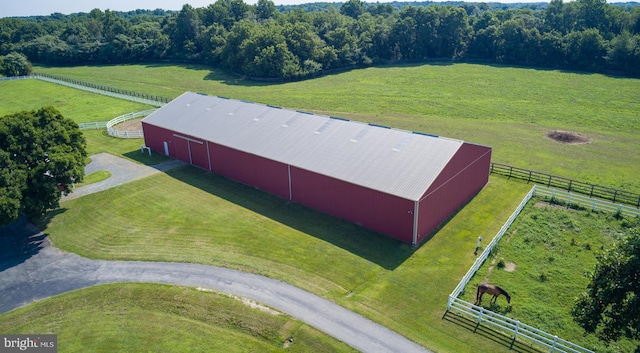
(19, 241)
(372, 246)
(489, 333)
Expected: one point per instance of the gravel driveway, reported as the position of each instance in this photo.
(122, 171)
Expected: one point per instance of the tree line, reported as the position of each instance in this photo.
(262, 41)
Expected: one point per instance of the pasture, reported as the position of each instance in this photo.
(541, 262)
(510, 109)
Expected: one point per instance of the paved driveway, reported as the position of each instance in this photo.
(122, 171)
(32, 269)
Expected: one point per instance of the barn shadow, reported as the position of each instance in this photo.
(489, 333)
(380, 249)
(19, 241)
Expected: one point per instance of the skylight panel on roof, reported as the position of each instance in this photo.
(405, 140)
(261, 115)
(291, 121)
(324, 126)
(361, 134)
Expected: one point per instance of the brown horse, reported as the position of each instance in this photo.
(493, 290)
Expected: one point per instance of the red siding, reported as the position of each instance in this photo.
(199, 154)
(465, 174)
(155, 136)
(250, 169)
(371, 209)
(463, 177)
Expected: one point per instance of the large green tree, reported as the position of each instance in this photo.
(610, 306)
(15, 64)
(42, 154)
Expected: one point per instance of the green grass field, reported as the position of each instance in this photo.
(507, 108)
(160, 318)
(550, 247)
(81, 107)
(78, 105)
(402, 288)
(246, 229)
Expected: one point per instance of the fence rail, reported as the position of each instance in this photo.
(13, 78)
(602, 192)
(126, 133)
(589, 203)
(93, 126)
(517, 329)
(157, 101)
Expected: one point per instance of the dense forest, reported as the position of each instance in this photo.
(263, 40)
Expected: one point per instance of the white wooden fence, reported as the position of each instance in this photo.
(94, 125)
(103, 91)
(126, 133)
(13, 78)
(519, 330)
(590, 203)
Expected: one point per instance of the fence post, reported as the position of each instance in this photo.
(529, 176)
(479, 319)
(515, 334)
(570, 181)
(549, 182)
(555, 341)
(615, 194)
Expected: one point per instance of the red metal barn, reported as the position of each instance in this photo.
(400, 183)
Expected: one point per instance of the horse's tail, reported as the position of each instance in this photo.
(478, 294)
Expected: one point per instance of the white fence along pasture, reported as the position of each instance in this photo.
(100, 91)
(517, 329)
(126, 133)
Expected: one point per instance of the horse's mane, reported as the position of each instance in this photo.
(504, 292)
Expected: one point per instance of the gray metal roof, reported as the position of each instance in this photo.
(396, 162)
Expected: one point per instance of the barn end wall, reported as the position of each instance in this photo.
(463, 177)
(368, 208)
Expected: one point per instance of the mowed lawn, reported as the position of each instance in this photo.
(508, 108)
(162, 318)
(188, 215)
(75, 104)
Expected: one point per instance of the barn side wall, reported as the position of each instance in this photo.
(463, 177)
(368, 208)
(249, 169)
